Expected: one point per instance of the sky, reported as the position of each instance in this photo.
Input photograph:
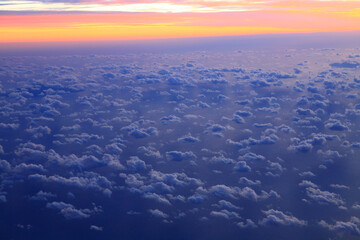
(89, 20)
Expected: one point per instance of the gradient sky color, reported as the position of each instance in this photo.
(61, 20)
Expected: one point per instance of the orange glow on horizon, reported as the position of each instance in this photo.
(126, 32)
(283, 17)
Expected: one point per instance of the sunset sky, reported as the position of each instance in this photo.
(78, 20)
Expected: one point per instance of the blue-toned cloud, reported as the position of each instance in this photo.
(247, 224)
(178, 156)
(158, 213)
(223, 204)
(249, 182)
(324, 197)
(70, 212)
(188, 139)
(43, 196)
(87, 181)
(275, 217)
(136, 164)
(225, 214)
(352, 226)
(96, 228)
(242, 166)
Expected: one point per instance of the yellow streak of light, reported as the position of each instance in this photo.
(111, 31)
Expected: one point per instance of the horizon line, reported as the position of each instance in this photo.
(174, 38)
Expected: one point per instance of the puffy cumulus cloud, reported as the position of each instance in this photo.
(262, 125)
(178, 156)
(114, 148)
(329, 154)
(225, 214)
(174, 81)
(149, 152)
(51, 113)
(38, 132)
(174, 179)
(324, 197)
(94, 150)
(352, 226)
(70, 212)
(80, 139)
(59, 205)
(96, 228)
(84, 162)
(238, 119)
(276, 217)
(250, 194)
(88, 180)
(272, 110)
(356, 206)
(31, 149)
(170, 119)
(133, 180)
(202, 104)
(336, 125)
(259, 83)
(157, 198)
(306, 183)
(275, 167)
(264, 101)
(188, 139)
(243, 113)
(345, 64)
(221, 98)
(307, 174)
(247, 224)
(222, 159)
(252, 157)
(136, 164)
(158, 213)
(246, 181)
(72, 161)
(157, 184)
(72, 128)
(197, 198)
(305, 112)
(9, 126)
(238, 144)
(216, 128)
(112, 161)
(312, 89)
(3, 197)
(29, 168)
(177, 198)
(223, 191)
(223, 204)
(242, 166)
(40, 120)
(135, 131)
(143, 132)
(315, 139)
(5, 166)
(339, 186)
(43, 196)
(264, 140)
(301, 146)
(355, 145)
